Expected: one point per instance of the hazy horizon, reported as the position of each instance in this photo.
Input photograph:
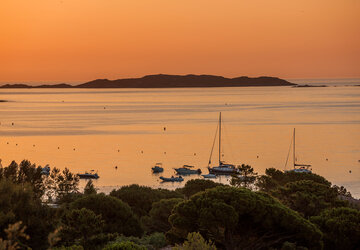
(73, 82)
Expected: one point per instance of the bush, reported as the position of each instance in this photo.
(341, 228)
(194, 186)
(274, 179)
(195, 241)
(19, 203)
(141, 198)
(242, 218)
(158, 219)
(124, 245)
(80, 224)
(308, 197)
(153, 241)
(116, 214)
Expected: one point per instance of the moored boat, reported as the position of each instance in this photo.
(209, 176)
(45, 170)
(172, 179)
(223, 168)
(90, 175)
(187, 169)
(297, 168)
(158, 168)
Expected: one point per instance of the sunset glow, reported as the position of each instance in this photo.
(81, 40)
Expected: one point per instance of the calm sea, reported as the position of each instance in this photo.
(86, 129)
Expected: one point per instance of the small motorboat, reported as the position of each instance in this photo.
(158, 168)
(187, 169)
(209, 176)
(45, 170)
(90, 175)
(172, 179)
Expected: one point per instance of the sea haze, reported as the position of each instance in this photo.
(85, 129)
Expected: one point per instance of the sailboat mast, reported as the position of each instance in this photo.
(294, 150)
(220, 139)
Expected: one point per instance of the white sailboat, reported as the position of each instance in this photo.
(222, 168)
(298, 168)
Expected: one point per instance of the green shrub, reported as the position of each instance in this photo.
(124, 245)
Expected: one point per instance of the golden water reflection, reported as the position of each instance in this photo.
(101, 129)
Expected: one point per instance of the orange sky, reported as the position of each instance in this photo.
(80, 40)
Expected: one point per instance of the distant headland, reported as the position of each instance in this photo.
(170, 81)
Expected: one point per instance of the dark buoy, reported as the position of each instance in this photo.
(257, 156)
(164, 128)
(74, 149)
(7, 143)
(34, 145)
(350, 171)
(118, 150)
(58, 147)
(327, 159)
(115, 167)
(16, 144)
(104, 107)
(142, 151)
(164, 153)
(194, 153)
(12, 124)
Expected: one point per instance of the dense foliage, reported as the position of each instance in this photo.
(117, 215)
(140, 198)
(195, 241)
(274, 179)
(194, 186)
(246, 177)
(288, 211)
(341, 228)
(25, 172)
(234, 217)
(308, 197)
(18, 202)
(80, 224)
(157, 221)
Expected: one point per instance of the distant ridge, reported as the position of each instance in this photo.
(170, 81)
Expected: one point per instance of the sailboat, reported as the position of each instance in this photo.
(298, 168)
(223, 168)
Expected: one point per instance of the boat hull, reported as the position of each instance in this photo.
(184, 171)
(223, 170)
(88, 176)
(209, 176)
(299, 170)
(157, 170)
(174, 179)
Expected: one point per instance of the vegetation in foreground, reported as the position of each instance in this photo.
(274, 211)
